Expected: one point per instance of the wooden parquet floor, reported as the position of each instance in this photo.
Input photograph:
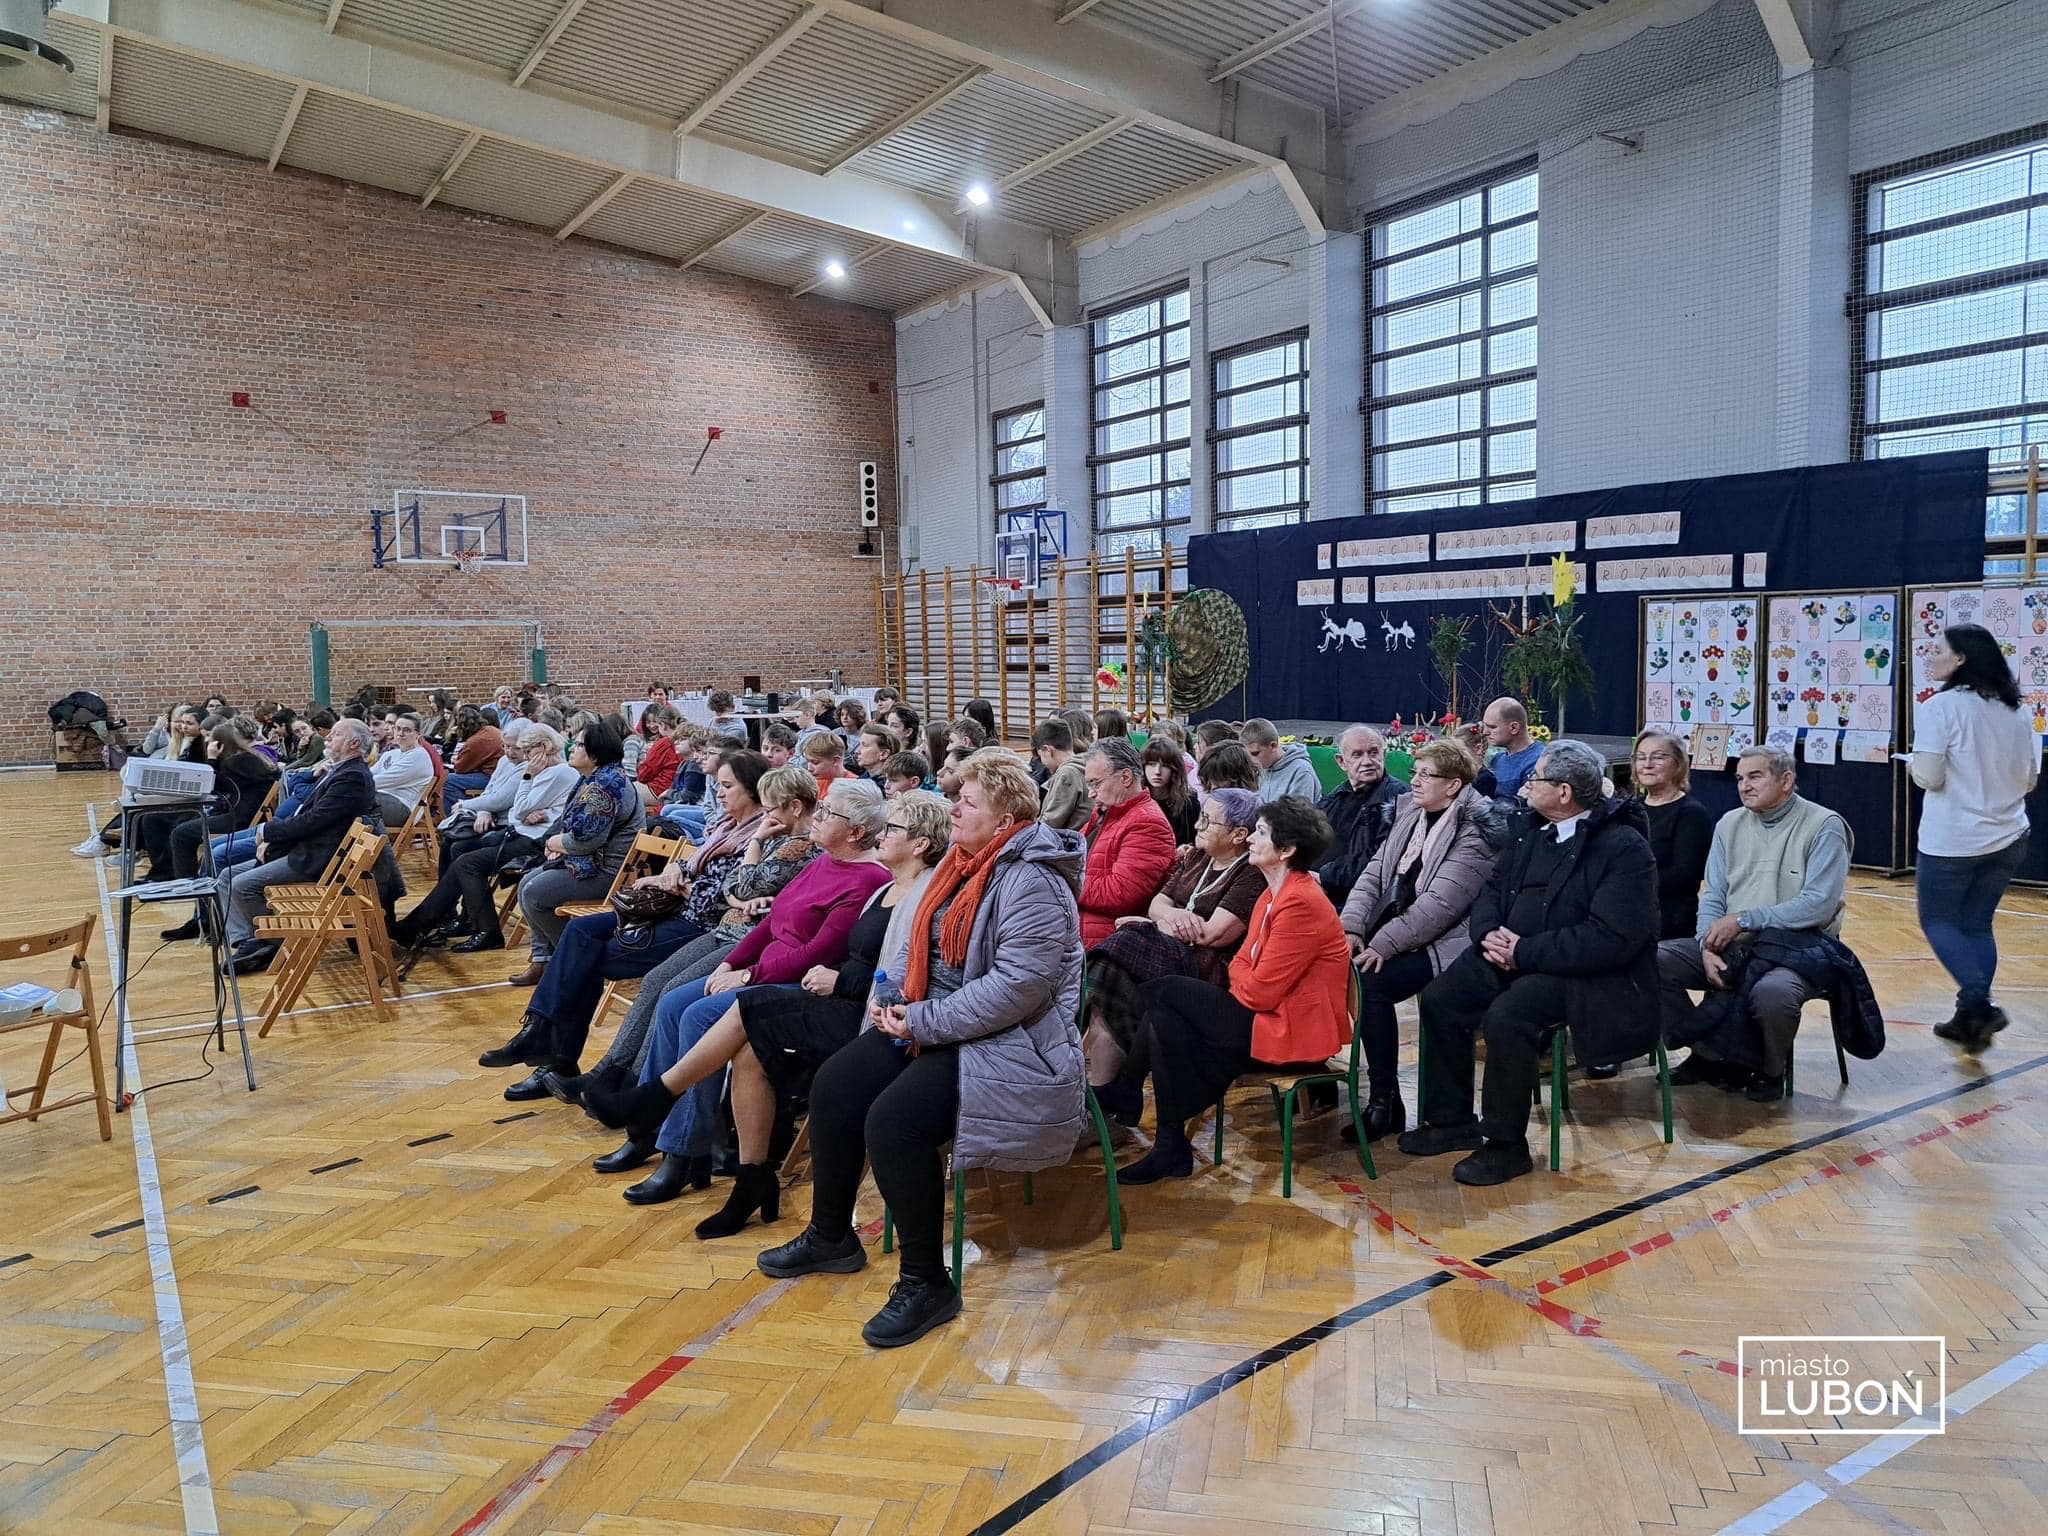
(409, 1306)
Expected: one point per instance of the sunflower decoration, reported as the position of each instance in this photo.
(1209, 647)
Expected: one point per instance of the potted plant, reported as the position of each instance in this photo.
(1449, 639)
(1548, 655)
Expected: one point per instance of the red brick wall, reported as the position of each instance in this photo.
(160, 544)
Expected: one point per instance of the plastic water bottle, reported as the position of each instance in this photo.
(888, 995)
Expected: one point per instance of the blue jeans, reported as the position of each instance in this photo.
(234, 848)
(1957, 898)
(589, 954)
(681, 1019)
(459, 786)
(686, 819)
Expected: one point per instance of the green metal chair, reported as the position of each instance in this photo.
(1116, 1209)
(1285, 1086)
(1841, 1063)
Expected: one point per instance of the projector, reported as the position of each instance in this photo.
(24, 44)
(153, 780)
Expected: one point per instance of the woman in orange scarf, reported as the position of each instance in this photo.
(975, 1044)
(1289, 998)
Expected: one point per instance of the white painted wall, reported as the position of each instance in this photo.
(1692, 290)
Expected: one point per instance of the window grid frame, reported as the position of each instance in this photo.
(1226, 522)
(1162, 447)
(1864, 302)
(1482, 286)
(998, 480)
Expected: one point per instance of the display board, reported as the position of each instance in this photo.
(1701, 665)
(2017, 618)
(1832, 664)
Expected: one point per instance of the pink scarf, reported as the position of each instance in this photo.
(1421, 847)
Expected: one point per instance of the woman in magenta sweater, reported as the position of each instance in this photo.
(809, 924)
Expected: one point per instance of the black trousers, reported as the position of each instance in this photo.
(1518, 1014)
(1194, 1040)
(455, 844)
(468, 885)
(876, 1103)
(1395, 981)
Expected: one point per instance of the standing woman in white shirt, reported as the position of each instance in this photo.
(1977, 757)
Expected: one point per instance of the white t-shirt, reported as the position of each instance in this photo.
(404, 775)
(1990, 759)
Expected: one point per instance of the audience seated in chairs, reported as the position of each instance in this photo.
(1288, 999)
(1563, 934)
(822, 753)
(1361, 809)
(1063, 799)
(655, 774)
(906, 773)
(906, 723)
(966, 735)
(1166, 780)
(299, 847)
(874, 745)
(1767, 940)
(1284, 767)
(590, 841)
(693, 793)
(982, 1052)
(1130, 844)
(1681, 830)
(723, 721)
(675, 1106)
(502, 829)
(754, 849)
(778, 742)
(403, 772)
(691, 916)
(1406, 914)
(1192, 928)
(241, 781)
(1228, 766)
(983, 714)
(309, 740)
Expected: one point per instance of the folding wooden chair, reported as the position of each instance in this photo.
(420, 829)
(85, 1018)
(649, 854)
(270, 802)
(305, 895)
(347, 908)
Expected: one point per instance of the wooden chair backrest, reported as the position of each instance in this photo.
(269, 801)
(649, 849)
(76, 937)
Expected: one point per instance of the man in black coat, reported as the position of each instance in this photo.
(1361, 810)
(300, 846)
(1564, 933)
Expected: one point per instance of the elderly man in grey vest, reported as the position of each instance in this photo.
(1780, 862)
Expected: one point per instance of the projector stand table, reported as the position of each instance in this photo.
(227, 990)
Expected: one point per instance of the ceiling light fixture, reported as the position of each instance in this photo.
(978, 195)
(24, 43)
(835, 270)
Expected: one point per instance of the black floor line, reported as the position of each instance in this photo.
(527, 1114)
(233, 1194)
(126, 1226)
(346, 1162)
(15, 1258)
(440, 1136)
(1014, 1514)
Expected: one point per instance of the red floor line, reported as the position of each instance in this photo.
(1820, 1175)
(1579, 1324)
(551, 1466)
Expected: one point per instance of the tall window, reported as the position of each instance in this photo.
(1451, 385)
(1019, 480)
(1138, 362)
(1258, 433)
(1951, 310)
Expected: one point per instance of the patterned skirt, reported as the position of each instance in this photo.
(1132, 956)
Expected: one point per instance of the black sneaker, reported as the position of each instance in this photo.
(811, 1254)
(1435, 1140)
(1494, 1163)
(1603, 1074)
(914, 1309)
(1699, 1069)
(1765, 1088)
(528, 1047)
(1383, 1118)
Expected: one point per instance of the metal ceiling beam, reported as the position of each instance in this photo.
(1795, 52)
(852, 264)
(103, 113)
(334, 13)
(1285, 38)
(1159, 205)
(731, 232)
(1059, 154)
(275, 44)
(931, 102)
(590, 209)
(568, 13)
(733, 83)
(284, 129)
(1073, 10)
(470, 141)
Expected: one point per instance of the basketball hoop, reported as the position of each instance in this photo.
(467, 559)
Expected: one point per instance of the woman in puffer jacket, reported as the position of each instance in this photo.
(982, 1050)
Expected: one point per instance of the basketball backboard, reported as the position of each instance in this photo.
(427, 527)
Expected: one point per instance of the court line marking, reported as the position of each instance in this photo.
(1066, 1478)
(508, 1501)
(195, 1484)
(1799, 1498)
(2039, 917)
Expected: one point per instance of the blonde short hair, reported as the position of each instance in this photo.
(1449, 757)
(1004, 778)
(926, 815)
(779, 786)
(1680, 755)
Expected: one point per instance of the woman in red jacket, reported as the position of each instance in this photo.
(1289, 999)
(1130, 842)
(660, 762)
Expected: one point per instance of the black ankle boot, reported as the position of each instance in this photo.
(1383, 1117)
(754, 1188)
(527, 1048)
(1172, 1157)
(1121, 1101)
(186, 930)
(641, 1107)
(630, 1155)
(667, 1181)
